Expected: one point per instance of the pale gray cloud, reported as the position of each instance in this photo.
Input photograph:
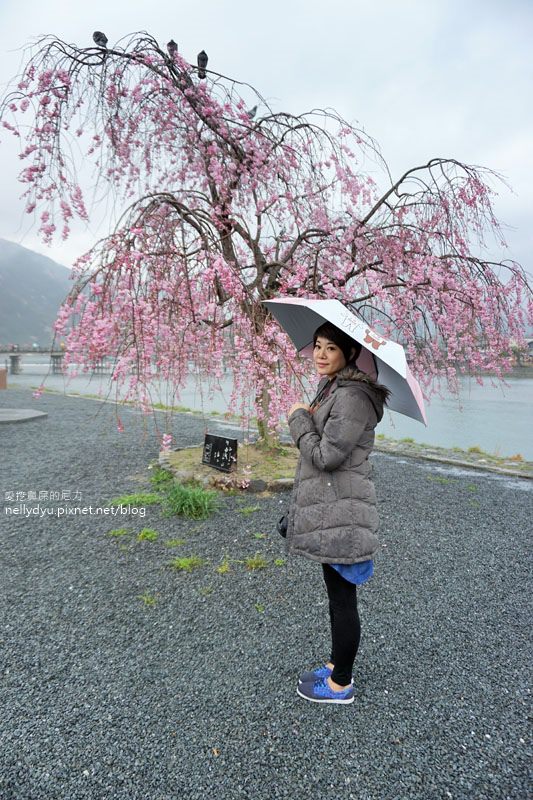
(425, 79)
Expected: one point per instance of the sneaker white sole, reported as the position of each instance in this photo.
(332, 700)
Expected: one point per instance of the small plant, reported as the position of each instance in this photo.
(224, 567)
(117, 532)
(190, 501)
(147, 535)
(186, 564)
(139, 499)
(517, 457)
(279, 562)
(476, 450)
(248, 509)
(256, 562)
(439, 479)
(206, 590)
(380, 436)
(148, 599)
(260, 607)
(174, 542)
(259, 535)
(472, 487)
(408, 440)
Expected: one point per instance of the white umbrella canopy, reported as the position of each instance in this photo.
(382, 358)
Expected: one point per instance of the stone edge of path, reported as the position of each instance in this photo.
(454, 462)
(10, 415)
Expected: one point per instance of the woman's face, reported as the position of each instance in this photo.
(328, 357)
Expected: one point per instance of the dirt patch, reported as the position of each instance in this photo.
(257, 469)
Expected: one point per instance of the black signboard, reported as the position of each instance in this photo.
(220, 452)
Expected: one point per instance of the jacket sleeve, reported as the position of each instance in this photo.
(344, 427)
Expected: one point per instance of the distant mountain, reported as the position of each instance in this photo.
(32, 287)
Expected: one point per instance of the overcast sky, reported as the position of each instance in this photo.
(425, 78)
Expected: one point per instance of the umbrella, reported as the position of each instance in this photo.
(381, 358)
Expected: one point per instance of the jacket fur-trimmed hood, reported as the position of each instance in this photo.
(376, 392)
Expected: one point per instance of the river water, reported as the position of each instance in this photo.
(498, 419)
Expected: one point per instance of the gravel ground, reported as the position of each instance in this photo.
(104, 696)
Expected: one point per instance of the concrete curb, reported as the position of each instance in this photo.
(455, 462)
(8, 415)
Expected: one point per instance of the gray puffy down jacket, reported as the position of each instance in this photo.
(332, 513)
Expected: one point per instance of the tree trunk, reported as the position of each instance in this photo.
(267, 440)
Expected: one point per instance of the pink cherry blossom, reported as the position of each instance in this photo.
(224, 212)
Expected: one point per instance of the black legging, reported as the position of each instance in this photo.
(345, 624)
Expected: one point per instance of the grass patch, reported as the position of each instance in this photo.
(117, 532)
(205, 591)
(472, 487)
(477, 450)
(137, 500)
(160, 478)
(279, 562)
(174, 542)
(255, 562)
(260, 608)
(147, 535)
(439, 479)
(187, 564)
(259, 535)
(148, 599)
(224, 567)
(163, 407)
(248, 509)
(408, 440)
(518, 457)
(190, 501)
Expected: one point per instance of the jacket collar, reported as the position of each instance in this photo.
(350, 375)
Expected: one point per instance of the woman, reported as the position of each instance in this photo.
(332, 513)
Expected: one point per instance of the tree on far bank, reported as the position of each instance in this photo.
(226, 205)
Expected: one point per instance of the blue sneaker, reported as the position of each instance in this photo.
(312, 675)
(320, 692)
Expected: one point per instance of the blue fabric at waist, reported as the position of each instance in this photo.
(356, 573)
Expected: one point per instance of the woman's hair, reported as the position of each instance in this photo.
(341, 339)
